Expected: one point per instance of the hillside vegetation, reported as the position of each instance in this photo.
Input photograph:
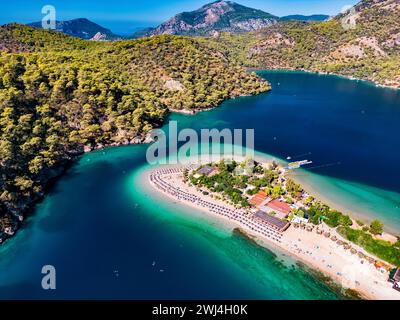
(370, 50)
(60, 96)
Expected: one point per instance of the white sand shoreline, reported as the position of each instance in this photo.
(326, 257)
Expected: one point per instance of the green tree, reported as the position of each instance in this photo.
(376, 227)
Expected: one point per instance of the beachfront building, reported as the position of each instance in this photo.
(207, 171)
(274, 222)
(300, 220)
(258, 199)
(281, 209)
(395, 278)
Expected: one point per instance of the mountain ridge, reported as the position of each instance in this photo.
(362, 43)
(81, 28)
(218, 16)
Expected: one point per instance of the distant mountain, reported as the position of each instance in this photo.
(363, 42)
(82, 28)
(218, 16)
(299, 17)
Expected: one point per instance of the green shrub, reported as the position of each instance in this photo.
(380, 248)
(360, 223)
(336, 218)
(376, 227)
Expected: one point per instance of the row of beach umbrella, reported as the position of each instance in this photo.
(345, 245)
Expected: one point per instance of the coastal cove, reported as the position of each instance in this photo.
(108, 239)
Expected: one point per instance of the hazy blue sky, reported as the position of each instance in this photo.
(122, 16)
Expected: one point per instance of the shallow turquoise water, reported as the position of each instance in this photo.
(110, 239)
(105, 248)
(360, 201)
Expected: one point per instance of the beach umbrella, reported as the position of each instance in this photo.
(370, 260)
(384, 265)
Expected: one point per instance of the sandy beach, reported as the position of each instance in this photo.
(315, 250)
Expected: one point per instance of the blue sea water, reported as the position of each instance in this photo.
(109, 237)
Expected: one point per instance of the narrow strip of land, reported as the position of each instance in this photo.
(320, 247)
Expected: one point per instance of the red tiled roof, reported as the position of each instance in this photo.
(258, 198)
(280, 206)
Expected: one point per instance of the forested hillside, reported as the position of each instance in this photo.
(368, 50)
(60, 96)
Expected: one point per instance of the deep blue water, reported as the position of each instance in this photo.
(351, 128)
(102, 230)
